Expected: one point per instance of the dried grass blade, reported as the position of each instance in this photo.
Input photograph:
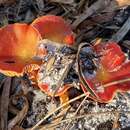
(4, 104)
(63, 1)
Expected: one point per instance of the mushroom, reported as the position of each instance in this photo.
(55, 29)
(18, 44)
(111, 75)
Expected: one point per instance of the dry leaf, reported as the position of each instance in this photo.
(63, 1)
(123, 2)
(17, 128)
(7, 1)
(99, 6)
(96, 7)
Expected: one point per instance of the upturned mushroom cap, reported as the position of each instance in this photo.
(112, 74)
(18, 43)
(54, 28)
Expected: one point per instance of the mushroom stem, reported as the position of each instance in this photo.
(64, 98)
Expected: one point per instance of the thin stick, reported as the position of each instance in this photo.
(60, 117)
(115, 82)
(51, 113)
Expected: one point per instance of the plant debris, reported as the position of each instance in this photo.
(69, 69)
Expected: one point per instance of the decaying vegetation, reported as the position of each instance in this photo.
(23, 106)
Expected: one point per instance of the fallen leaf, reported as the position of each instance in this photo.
(17, 128)
(100, 6)
(123, 2)
(7, 1)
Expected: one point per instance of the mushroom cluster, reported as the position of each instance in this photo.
(103, 69)
(21, 43)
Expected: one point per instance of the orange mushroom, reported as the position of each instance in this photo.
(112, 74)
(54, 28)
(18, 44)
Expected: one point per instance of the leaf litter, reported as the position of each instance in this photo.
(93, 20)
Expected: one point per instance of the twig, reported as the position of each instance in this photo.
(7, 1)
(115, 82)
(2, 82)
(63, 1)
(59, 118)
(19, 7)
(80, 72)
(115, 123)
(81, 4)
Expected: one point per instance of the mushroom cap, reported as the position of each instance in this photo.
(54, 28)
(18, 44)
(112, 74)
(111, 55)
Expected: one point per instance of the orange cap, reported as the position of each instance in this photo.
(107, 81)
(54, 28)
(18, 43)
